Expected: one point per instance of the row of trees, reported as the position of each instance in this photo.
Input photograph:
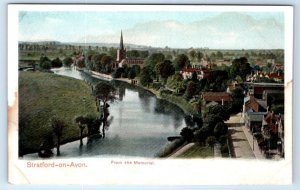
(211, 130)
(46, 63)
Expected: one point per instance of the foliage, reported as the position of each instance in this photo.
(118, 72)
(105, 92)
(220, 129)
(67, 62)
(201, 135)
(187, 134)
(181, 61)
(56, 63)
(241, 67)
(165, 69)
(211, 140)
(57, 125)
(131, 74)
(219, 110)
(45, 63)
(238, 100)
(191, 90)
(145, 76)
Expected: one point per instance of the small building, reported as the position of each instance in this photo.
(222, 98)
(188, 72)
(253, 120)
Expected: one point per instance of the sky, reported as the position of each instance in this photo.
(181, 29)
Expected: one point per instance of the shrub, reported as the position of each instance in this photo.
(225, 150)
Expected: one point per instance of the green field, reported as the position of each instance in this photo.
(44, 95)
(197, 151)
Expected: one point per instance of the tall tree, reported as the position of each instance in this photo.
(181, 61)
(165, 69)
(68, 61)
(58, 125)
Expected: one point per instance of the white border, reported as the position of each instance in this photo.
(172, 172)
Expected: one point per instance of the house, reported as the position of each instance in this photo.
(253, 120)
(188, 72)
(273, 132)
(257, 89)
(254, 104)
(218, 97)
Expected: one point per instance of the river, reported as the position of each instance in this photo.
(140, 123)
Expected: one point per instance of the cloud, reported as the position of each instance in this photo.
(228, 30)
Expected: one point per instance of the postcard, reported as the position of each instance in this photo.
(150, 94)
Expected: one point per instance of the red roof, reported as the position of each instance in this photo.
(190, 70)
(216, 96)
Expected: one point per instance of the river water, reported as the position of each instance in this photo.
(140, 123)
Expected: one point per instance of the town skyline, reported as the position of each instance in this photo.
(213, 30)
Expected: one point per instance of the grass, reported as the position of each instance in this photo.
(197, 151)
(44, 95)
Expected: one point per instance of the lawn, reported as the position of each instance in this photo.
(44, 95)
(197, 151)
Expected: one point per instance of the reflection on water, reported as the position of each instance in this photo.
(139, 123)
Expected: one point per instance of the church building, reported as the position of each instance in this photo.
(123, 60)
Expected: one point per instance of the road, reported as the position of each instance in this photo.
(240, 145)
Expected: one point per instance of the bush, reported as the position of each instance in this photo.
(187, 134)
(225, 150)
(45, 65)
(201, 135)
(56, 62)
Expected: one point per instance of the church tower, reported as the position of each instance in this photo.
(121, 53)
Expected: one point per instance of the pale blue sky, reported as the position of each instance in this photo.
(264, 30)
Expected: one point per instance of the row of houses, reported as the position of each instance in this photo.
(266, 126)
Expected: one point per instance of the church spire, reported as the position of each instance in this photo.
(121, 42)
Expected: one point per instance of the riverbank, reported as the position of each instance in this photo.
(44, 95)
(177, 100)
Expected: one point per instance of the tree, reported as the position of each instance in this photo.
(190, 90)
(81, 121)
(154, 59)
(181, 61)
(106, 93)
(220, 129)
(187, 134)
(137, 69)
(241, 67)
(238, 99)
(56, 62)
(165, 69)
(211, 140)
(219, 110)
(45, 62)
(131, 74)
(199, 55)
(67, 62)
(201, 135)
(58, 125)
(106, 63)
(192, 54)
(194, 77)
(118, 72)
(145, 76)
